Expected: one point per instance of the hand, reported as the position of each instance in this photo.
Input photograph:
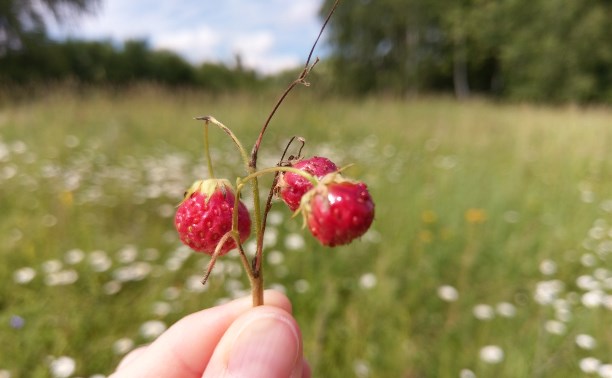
(233, 339)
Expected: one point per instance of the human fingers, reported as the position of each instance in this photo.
(306, 372)
(263, 342)
(184, 350)
(131, 356)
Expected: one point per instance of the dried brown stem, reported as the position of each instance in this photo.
(300, 80)
(256, 270)
(268, 207)
(215, 255)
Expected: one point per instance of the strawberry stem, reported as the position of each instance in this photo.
(255, 281)
(207, 152)
(264, 171)
(210, 119)
(249, 169)
(217, 252)
(300, 80)
(254, 271)
(257, 290)
(252, 165)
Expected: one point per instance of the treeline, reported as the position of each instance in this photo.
(528, 50)
(42, 60)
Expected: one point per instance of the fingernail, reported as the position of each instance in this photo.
(267, 346)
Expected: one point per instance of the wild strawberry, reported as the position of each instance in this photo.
(293, 186)
(338, 210)
(205, 215)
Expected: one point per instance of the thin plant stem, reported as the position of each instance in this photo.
(210, 119)
(252, 165)
(248, 168)
(215, 255)
(255, 271)
(300, 80)
(207, 151)
(255, 281)
(257, 263)
(257, 290)
(265, 171)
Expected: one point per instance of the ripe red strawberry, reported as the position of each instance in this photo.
(293, 186)
(338, 210)
(205, 215)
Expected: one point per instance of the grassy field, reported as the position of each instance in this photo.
(490, 255)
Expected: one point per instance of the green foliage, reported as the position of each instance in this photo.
(220, 78)
(102, 62)
(20, 19)
(475, 195)
(405, 52)
(565, 54)
(524, 50)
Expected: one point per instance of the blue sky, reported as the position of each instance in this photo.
(270, 35)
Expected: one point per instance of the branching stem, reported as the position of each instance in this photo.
(265, 171)
(300, 80)
(210, 119)
(254, 270)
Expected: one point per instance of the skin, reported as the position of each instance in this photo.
(231, 340)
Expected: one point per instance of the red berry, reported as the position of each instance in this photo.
(205, 216)
(293, 186)
(338, 210)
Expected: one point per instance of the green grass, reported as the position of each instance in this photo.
(474, 195)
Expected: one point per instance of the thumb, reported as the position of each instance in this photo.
(263, 342)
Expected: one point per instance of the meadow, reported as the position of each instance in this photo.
(490, 254)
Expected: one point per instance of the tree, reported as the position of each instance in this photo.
(392, 45)
(23, 19)
(561, 50)
(542, 50)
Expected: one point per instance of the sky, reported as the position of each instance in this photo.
(269, 35)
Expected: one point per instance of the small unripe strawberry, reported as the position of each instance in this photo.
(205, 216)
(293, 186)
(338, 210)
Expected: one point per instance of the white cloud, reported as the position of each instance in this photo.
(270, 35)
(258, 52)
(271, 64)
(256, 43)
(196, 45)
(301, 11)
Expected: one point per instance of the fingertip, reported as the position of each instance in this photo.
(306, 371)
(277, 299)
(186, 348)
(264, 342)
(131, 356)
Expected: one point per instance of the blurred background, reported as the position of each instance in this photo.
(482, 128)
(523, 50)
